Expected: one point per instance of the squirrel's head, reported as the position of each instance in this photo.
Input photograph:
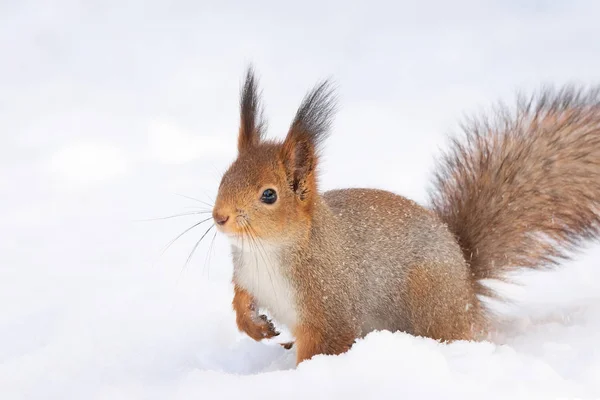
(270, 190)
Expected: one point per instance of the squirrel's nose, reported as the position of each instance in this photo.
(220, 218)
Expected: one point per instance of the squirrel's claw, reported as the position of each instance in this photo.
(287, 345)
(258, 327)
(268, 328)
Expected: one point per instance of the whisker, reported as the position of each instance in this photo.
(183, 233)
(246, 233)
(196, 246)
(253, 251)
(218, 173)
(268, 263)
(265, 257)
(207, 260)
(173, 216)
(198, 209)
(241, 254)
(195, 199)
(209, 197)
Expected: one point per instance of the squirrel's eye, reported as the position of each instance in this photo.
(269, 196)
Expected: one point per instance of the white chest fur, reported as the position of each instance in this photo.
(258, 269)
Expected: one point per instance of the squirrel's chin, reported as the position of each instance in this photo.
(245, 243)
(236, 239)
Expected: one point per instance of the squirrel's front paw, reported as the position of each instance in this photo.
(257, 327)
(267, 328)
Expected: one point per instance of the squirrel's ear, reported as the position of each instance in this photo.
(251, 122)
(308, 130)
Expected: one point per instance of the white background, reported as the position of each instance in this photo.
(108, 110)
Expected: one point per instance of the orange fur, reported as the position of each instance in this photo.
(523, 190)
(258, 327)
(311, 341)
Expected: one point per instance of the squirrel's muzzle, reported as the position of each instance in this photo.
(220, 219)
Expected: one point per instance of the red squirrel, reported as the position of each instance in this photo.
(520, 190)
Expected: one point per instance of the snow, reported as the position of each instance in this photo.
(109, 113)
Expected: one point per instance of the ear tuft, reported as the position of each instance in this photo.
(252, 124)
(313, 118)
(308, 130)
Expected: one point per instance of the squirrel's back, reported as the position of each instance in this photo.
(404, 263)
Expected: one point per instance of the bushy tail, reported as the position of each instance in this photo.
(523, 189)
